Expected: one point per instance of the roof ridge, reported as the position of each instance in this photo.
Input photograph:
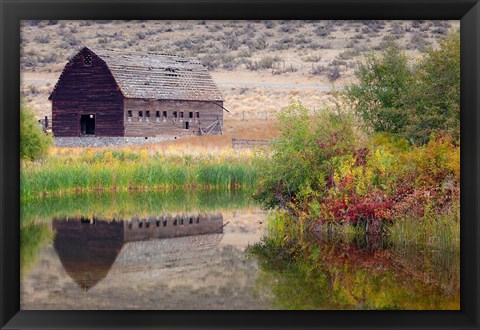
(140, 53)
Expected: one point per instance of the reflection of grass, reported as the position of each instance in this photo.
(126, 170)
(127, 204)
(32, 238)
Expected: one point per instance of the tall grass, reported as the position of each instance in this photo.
(433, 231)
(123, 171)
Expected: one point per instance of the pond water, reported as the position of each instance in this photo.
(163, 250)
(186, 250)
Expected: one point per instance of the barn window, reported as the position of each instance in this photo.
(164, 115)
(171, 72)
(140, 115)
(197, 114)
(181, 114)
(147, 115)
(87, 60)
(129, 115)
(190, 115)
(174, 115)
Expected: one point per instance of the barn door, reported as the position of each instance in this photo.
(87, 124)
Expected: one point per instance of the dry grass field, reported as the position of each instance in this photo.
(259, 66)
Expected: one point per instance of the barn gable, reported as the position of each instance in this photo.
(87, 92)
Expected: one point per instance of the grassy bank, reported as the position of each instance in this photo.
(126, 170)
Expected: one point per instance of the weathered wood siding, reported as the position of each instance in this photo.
(86, 90)
(168, 226)
(135, 125)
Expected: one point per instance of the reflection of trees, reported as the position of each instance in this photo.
(32, 238)
(346, 276)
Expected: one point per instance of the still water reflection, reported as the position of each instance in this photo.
(141, 251)
(177, 250)
(87, 248)
(359, 274)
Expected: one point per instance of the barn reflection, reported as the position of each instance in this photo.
(88, 247)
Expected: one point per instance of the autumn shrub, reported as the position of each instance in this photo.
(322, 171)
(300, 161)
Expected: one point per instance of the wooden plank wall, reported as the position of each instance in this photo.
(87, 90)
(139, 126)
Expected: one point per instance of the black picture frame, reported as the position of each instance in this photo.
(468, 11)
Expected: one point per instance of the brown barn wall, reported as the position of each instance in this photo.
(209, 112)
(87, 90)
(166, 226)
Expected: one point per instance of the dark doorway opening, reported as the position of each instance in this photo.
(186, 125)
(87, 124)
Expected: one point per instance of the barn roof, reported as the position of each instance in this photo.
(158, 76)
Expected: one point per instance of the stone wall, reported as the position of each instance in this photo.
(104, 141)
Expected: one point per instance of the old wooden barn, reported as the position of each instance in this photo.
(117, 93)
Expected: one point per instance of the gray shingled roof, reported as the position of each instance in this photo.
(160, 76)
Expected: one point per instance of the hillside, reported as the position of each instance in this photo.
(259, 65)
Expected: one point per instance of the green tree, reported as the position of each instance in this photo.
(433, 103)
(382, 80)
(410, 101)
(34, 143)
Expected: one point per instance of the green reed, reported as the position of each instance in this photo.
(434, 231)
(62, 175)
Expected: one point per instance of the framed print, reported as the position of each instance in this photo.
(240, 164)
